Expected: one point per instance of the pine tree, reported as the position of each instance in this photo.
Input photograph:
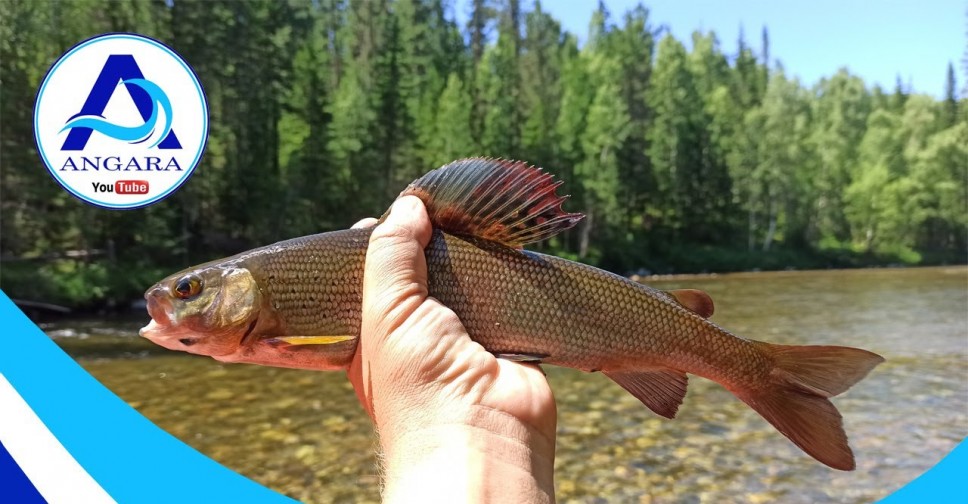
(607, 126)
(950, 113)
(453, 139)
(576, 97)
(481, 15)
(310, 177)
(748, 80)
(541, 92)
(710, 74)
(675, 141)
(349, 136)
(633, 46)
(501, 134)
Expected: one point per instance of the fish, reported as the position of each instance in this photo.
(297, 304)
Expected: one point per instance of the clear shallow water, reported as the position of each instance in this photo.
(303, 433)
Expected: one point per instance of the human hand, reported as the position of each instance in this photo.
(452, 419)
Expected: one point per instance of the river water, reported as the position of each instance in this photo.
(303, 433)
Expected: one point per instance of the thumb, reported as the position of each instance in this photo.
(395, 274)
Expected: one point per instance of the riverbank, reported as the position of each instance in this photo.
(99, 286)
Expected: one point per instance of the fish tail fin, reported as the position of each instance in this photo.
(795, 399)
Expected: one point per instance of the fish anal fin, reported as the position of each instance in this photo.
(509, 202)
(694, 300)
(311, 340)
(661, 389)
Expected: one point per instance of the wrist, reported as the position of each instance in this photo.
(488, 456)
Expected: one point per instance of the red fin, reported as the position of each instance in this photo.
(661, 390)
(695, 301)
(509, 202)
(810, 421)
(823, 370)
(795, 399)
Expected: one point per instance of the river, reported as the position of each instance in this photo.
(303, 433)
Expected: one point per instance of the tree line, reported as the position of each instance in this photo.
(683, 159)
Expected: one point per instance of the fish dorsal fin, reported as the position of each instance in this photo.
(695, 301)
(509, 202)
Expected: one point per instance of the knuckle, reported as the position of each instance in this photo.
(364, 223)
(390, 234)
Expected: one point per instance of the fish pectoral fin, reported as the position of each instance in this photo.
(661, 389)
(312, 340)
(509, 202)
(520, 357)
(694, 300)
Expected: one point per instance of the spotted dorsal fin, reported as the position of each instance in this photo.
(509, 202)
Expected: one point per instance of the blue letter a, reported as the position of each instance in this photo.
(119, 67)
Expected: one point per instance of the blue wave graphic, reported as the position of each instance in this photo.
(131, 134)
(131, 458)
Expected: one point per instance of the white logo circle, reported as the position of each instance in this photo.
(121, 121)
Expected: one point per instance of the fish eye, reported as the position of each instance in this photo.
(188, 287)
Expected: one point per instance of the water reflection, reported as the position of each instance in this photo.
(303, 433)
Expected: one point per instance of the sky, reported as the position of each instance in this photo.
(877, 40)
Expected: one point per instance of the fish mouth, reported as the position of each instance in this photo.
(158, 311)
(164, 335)
(160, 329)
(158, 304)
(152, 330)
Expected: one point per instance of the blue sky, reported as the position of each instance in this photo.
(877, 40)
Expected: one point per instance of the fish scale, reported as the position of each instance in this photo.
(298, 304)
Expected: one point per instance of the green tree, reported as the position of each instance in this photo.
(840, 113)
(940, 170)
(748, 82)
(632, 46)
(453, 138)
(710, 74)
(778, 187)
(576, 97)
(675, 141)
(880, 163)
(606, 128)
(541, 69)
(950, 112)
(348, 136)
(500, 89)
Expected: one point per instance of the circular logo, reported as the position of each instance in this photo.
(121, 121)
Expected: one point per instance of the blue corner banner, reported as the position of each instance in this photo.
(64, 437)
(89, 445)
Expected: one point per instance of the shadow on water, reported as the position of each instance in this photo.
(303, 433)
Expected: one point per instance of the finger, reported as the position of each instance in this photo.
(355, 375)
(395, 274)
(365, 223)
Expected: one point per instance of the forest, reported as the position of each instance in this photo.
(699, 157)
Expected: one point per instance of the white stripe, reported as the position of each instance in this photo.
(45, 461)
